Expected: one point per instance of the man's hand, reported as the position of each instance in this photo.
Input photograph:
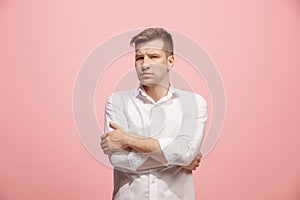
(115, 140)
(194, 164)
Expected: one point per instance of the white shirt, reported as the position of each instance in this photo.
(177, 121)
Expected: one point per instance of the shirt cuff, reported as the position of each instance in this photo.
(136, 159)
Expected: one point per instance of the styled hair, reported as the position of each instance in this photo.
(151, 34)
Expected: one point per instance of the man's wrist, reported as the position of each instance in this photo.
(128, 141)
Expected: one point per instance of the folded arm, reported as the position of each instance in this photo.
(186, 145)
(134, 152)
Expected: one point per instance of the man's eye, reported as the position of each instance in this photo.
(138, 58)
(154, 57)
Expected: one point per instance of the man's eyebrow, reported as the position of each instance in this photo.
(150, 49)
(151, 54)
(154, 53)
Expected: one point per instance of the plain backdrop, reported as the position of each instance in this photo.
(254, 44)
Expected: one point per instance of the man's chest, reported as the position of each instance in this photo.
(154, 120)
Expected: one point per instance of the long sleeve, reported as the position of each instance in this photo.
(181, 149)
(126, 159)
(188, 141)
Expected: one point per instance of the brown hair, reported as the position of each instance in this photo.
(150, 34)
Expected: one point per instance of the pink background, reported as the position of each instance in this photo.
(255, 45)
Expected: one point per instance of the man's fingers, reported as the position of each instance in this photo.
(103, 141)
(103, 136)
(105, 151)
(195, 166)
(200, 155)
(104, 145)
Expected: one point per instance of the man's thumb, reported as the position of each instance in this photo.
(113, 125)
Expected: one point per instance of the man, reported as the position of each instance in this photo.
(153, 133)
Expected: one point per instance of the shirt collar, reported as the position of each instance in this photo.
(140, 91)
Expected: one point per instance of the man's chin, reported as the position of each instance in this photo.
(148, 84)
(153, 84)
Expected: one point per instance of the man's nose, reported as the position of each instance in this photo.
(145, 67)
(146, 60)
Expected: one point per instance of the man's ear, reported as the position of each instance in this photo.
(170, 62)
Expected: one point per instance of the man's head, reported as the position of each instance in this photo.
(151, 34)
(153, 56)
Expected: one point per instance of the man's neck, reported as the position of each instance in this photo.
(156, 91)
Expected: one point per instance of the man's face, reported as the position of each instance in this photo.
(151, 63)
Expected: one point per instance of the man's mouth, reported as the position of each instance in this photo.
(146, 74)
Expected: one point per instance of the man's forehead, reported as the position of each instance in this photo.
(154, 45)
(149, 50)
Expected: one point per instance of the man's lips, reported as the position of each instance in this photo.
(146, 74)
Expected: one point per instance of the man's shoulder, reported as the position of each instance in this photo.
(123, 94)
(190, 96)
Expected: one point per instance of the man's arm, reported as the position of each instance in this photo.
(124, 158)
(182, 151)
(119, 139)
(121, 155)
(151, 163)
(186, 145)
